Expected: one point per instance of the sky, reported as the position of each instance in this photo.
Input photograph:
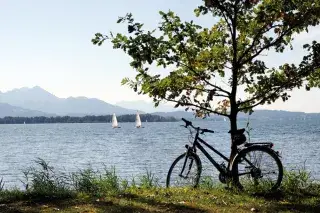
(48, 44)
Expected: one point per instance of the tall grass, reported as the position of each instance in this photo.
(207, 182)
(299, 183)
(149, 180)
(96, 183)
(43, 181)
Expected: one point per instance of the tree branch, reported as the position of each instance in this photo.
(250, 107)
(267, 46)
(195, 72)
(286, 32)
(207, 91)
(214, 86)
(263, 99)
(256, 97)
(255, 39)
(220, 7)
(191, 104)
(229, 26)
(190, 67)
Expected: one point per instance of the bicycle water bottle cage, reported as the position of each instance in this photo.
(238, 136)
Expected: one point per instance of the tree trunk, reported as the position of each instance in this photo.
(233, 127)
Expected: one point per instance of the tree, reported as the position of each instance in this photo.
(210, 66)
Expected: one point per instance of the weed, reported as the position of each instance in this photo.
(85, 181)
(149, 180)
(44, 181)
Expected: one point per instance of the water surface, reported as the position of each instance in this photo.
(69, 147)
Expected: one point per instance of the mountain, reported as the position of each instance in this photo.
(13, 111)
(277, 114)
(257, 115)
(167, 110)
(39, 99)
(146, 106)
(176, 114)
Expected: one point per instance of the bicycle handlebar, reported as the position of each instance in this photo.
(189, 123)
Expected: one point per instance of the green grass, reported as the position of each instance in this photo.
(94, 191)
(137, 199)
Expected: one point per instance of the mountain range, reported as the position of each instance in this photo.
(147, 107)
(38, 99)
(35, 101)
(13, 111)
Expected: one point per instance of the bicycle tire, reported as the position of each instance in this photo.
(267, 150)
(197, 161)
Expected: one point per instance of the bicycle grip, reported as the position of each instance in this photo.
(207, 130)
(188, 123)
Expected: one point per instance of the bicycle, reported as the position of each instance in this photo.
(232, 173)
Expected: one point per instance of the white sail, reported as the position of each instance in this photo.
(138, 121)
(114, 121)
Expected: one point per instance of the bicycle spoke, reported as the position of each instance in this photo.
(258, 167)
(184, 172)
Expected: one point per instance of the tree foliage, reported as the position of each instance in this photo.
(209, 66)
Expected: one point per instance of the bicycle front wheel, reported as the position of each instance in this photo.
(185, 171)
(257, 168)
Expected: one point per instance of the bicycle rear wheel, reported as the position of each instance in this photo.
(185, 171)
(257, 168)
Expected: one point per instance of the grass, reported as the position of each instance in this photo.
(92, 191)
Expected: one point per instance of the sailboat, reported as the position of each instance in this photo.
(138, 121)
(114, 121)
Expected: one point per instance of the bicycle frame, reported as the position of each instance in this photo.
(196, 144)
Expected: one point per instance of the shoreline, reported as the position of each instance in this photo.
(128, 118)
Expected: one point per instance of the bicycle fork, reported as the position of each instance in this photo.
(189, 150)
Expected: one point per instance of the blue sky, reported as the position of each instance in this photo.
(48, 43)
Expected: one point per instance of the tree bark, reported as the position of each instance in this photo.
(233, 96)
(233, 128)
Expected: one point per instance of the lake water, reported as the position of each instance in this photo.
(69, 147)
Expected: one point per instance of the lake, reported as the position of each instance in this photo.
(70, 147)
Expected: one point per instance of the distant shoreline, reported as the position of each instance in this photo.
(85, 119)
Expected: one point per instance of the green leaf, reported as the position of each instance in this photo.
(124, 81)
